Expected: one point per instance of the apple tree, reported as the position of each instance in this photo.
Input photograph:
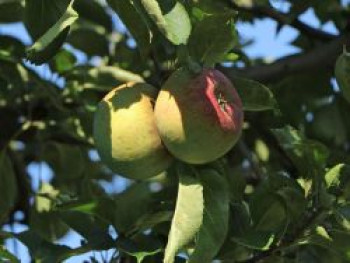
(145, 128)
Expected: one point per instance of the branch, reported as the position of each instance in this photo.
(284, 19)
(321, 58)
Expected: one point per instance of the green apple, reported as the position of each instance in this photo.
(126, 135)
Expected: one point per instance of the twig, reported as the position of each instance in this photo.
(297, 234)
(284, 19)
(321, 58)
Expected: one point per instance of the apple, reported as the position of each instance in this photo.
(126, 135)
(199, 116)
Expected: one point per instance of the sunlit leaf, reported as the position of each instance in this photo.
(188, 215)
(50, 34)
(171, 18)
(214, 228)
(212, 38)
(255, 96)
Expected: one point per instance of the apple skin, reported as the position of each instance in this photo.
(126, 135)
(199, 116)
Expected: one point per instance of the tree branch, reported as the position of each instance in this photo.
(321, 58)
(284, 19)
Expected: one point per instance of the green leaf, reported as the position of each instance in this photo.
(212, 38)
(188, 215)
(89, 40)
(268, 212)
(259, 240)
(41, 250)
(50, 34)
(294, 201)
(64, 61)
(14, 73)
(333, 176)
(149, 221)
(135, 22)
(338, 180)
(171, 19)
(214, 228)
(255, 96)
(342, 74)
(8, 186)
(335, 241)
(12, 45)
(67, 161)
(11, 11)
(94, 231)
(6, 256)
(138, 197)
(87, 207)
(342, 216)
(103, 78)
(140, 247)
(93, 11)
(42, 218)
(309, 156)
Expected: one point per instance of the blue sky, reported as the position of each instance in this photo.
(267, 44)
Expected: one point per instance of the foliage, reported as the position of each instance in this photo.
(282, 194)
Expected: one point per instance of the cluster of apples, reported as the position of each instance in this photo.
(195, 117)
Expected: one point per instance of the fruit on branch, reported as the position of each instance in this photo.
(199, 116)
(342, 74)
(125, 132)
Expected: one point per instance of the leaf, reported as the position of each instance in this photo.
(342, 216)
(214, 228)
(294, 201)
(89, 40)
(259, 240)
(63, 61)
(11, 11)
(135, 23)
(148, 221)
(8, 186)
(41, 250)
(139, 198)
(335, 241)
(67, 161)
(94, 231)
(140, 247)
(6, 256)
(309, 156)
(333, 175)
(43, 220)
(87, 207)
(102, 78)
(188, 214)
(212, 38)
(255, 96)
(329, 125)
(268, 205)
(342, 74)
(49, 36)
(12, 45)
(338, 180)
(93, 11)
(171, 19)
(268, 212)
